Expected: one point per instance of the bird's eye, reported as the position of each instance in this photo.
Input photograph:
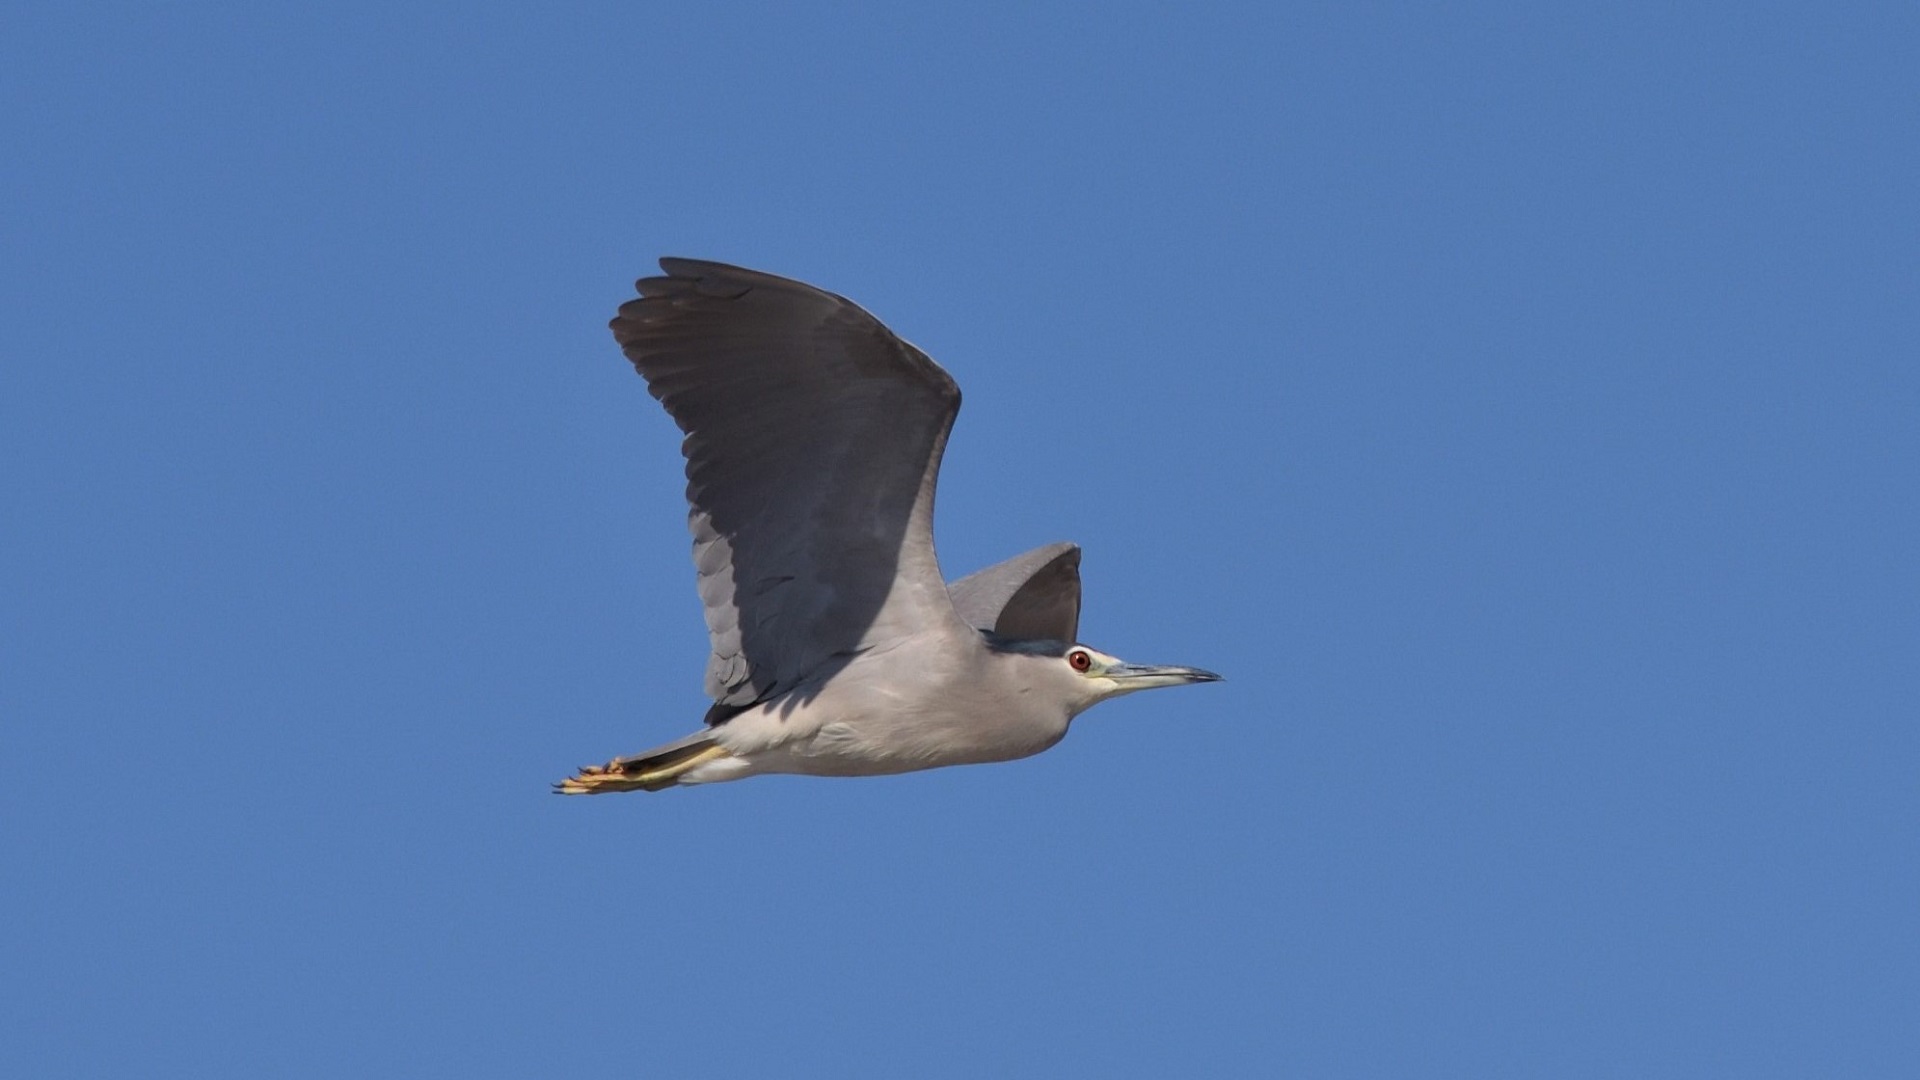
(1079, 660)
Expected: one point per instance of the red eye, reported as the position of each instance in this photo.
(1078, 660)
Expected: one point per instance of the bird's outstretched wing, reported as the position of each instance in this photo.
(1029, 597)
(813, 441)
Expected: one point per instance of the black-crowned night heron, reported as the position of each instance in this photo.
(813, 440)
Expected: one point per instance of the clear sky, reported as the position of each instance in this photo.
(1520, 404)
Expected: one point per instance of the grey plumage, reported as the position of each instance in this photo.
(799, 409)
(1035, 595)
(813, 445)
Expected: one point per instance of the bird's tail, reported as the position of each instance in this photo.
(661, 767)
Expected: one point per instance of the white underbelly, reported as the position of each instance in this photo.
(874, 746)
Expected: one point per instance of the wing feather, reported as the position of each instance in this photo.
(1030, 597)
(813, 445)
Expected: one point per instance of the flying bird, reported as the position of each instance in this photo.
(813, 442)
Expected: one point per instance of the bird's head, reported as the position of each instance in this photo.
(1085, 676)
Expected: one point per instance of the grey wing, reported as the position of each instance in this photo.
(1035, 596)
(813, 441)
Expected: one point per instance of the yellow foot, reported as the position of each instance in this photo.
(636, 774)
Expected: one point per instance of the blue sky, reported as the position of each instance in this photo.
(1519, 404)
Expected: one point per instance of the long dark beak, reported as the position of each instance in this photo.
(1149, 676)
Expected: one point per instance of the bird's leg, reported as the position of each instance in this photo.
(637, 773)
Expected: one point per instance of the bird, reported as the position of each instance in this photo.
(813, 438)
